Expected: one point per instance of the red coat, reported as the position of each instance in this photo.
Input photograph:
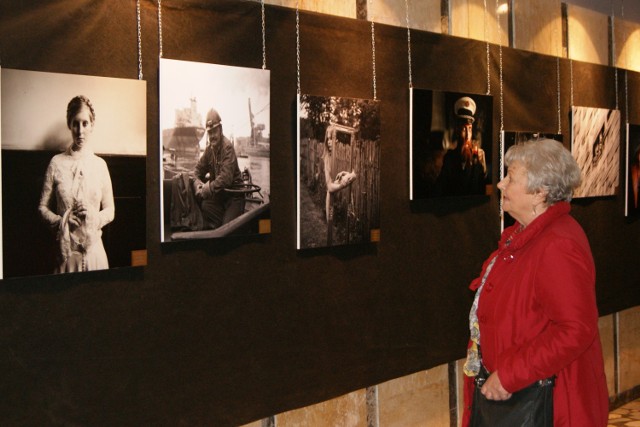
(538, 317)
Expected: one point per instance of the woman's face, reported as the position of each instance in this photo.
(516, 200)
(81, 127)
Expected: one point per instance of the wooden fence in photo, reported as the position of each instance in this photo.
(356, 209)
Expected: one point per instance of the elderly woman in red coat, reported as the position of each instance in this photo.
(534, 315)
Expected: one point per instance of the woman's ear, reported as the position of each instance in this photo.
(540, 197)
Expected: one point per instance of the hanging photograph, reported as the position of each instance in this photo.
(74, 172)
(450, 144)
(338, 171)
(508, 139)
(595, 144)
(214, 151)
(632, 201)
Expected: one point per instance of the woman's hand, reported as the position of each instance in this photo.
(345, 178)
(492, 388)
(74, 221)
(80, 210)
(84, 213)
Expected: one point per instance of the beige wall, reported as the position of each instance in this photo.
(415, 400)
(423, 15)
(344, 8)
(543, 34)
(588, 35)
(468, 19)
(537, 25)
(629, 348)
(627, 44)
(348, 410)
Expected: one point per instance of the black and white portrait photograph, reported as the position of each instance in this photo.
(214, 150)
(338, 171)
(632, 202)
(509, 139)
(74, 172)
(595, 144)
(450, 144)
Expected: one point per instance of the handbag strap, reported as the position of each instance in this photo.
(484, 373)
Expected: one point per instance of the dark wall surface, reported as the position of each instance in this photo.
(226, 332)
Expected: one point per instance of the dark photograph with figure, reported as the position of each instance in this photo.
(632, 202)
(73, 184)
(215, 150)
(338, 171)
(595, 144)
(450, 144)
(508, 139)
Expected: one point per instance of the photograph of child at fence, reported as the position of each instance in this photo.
(338, 171)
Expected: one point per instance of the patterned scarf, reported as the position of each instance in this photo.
(472, 364)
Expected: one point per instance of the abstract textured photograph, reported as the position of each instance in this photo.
(595, 144)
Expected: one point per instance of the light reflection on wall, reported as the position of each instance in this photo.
(538, 25)
(468, 19)
(423, 15)
(588, 35)
(627, 45)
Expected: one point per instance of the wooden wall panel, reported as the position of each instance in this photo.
(538, 26)
(627, 44)
(344, 8)
(468, 19)
(423, 14)
(588, 35)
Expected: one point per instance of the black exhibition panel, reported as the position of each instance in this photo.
(224, 332)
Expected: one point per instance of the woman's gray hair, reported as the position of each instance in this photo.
(550, 168)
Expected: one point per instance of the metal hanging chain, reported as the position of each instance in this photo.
(571, 78)
(501, 162)
(264, 30)
(373, 51)
(501, 166)
(373, 58)
(558, 95)
(486, 38)
(298, 45)
(501, 68)
(555, 33)
(406, 5)
(139, 40)
(626, 71)
(613, 52)
(570, 64)
(626, 97)
(160, 27)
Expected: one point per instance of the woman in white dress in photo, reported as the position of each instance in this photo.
(77, 196)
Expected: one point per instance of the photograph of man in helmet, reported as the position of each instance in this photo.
(215, 148)
(216, 170)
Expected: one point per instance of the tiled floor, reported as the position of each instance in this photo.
(626, 416)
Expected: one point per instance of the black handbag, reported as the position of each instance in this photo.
(530, 407)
